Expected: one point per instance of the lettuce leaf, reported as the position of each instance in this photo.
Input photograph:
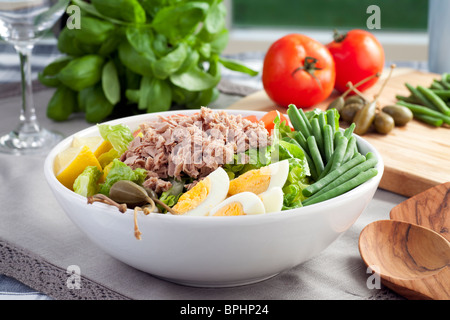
(120, 171)
(257, 158)
(298, 179)
(119, 136)
(171, 196)
(86, 183)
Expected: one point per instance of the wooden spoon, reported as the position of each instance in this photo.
(430, 209)
(411, 260)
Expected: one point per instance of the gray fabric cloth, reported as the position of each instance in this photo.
(38, 243)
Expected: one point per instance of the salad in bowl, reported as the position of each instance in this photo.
(228, 179)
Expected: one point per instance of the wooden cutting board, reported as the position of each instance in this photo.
(416, 157)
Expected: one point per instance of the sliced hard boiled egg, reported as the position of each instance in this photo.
(205, 195)
(261, 180)
(244, 203)
(272, 199)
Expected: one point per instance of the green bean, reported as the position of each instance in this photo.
(337, 135)
(305, 120)
(300, 138)
(322, 120)
(317, 133)
(339, 152)
(435, 99)
(315, 154)
(446, 77)
(445, 80)
(433, 121)
(331, 117)
(436, 84)
(370, 162)
(321, 183)
(328, 142)
(350, 151)
(349, 131)
(346, 186)
(417, 109)
(297, 121)
(420, 97)
(410, 99)
(444, 94)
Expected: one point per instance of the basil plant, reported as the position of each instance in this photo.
(136, 56)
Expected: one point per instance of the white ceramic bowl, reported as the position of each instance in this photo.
(213, 251)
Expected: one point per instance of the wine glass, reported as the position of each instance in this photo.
(23, 23)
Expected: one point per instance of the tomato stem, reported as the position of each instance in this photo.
(309, 65)
(338, 37)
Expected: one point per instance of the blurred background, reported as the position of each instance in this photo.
(255, 24)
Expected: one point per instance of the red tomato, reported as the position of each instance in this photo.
(357, 55)
(270, 116)
(252, 118)
(298, 70)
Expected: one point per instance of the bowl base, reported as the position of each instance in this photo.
(217, 284)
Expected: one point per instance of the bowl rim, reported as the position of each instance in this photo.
(303, 211)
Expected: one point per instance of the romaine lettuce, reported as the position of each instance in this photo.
(119, 136)
(120, 171)
(86, 183)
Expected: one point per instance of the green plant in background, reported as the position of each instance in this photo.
(137, 56)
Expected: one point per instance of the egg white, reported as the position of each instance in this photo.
(217, 193)
(250, 202)
(278, 174)
(272, 199)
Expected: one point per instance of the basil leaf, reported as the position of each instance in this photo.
(196, 79)
(53, 68)
(82, 72)
(155, 95)
(170, 63)
(236, 66)
(215, 18)
(203, 98)
(67, 43)
(62, 104)
(110, 82)
(141, 40)
(180, 20)
(125, 10)
(96, 107)
(134, 61)
(220, 41)
(94, 31)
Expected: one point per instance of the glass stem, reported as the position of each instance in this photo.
(28, 124)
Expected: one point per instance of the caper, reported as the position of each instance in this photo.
(402, 115)
(348, 112)
(383, 123)
(337, 103)
(354, 99)
(364, 117)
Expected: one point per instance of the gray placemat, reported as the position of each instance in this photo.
(38, 244)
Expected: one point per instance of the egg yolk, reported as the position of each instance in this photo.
(256, 181)
(231, 209)
(192, 198)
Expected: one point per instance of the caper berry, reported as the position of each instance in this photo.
(355, 99)
(401, 115)
(364, 117)
(348, 112)
(337, 103)
(383, 123)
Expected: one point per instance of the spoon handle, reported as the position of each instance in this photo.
(432, 287)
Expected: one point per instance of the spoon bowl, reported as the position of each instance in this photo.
(430, 209)
(410, 259)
